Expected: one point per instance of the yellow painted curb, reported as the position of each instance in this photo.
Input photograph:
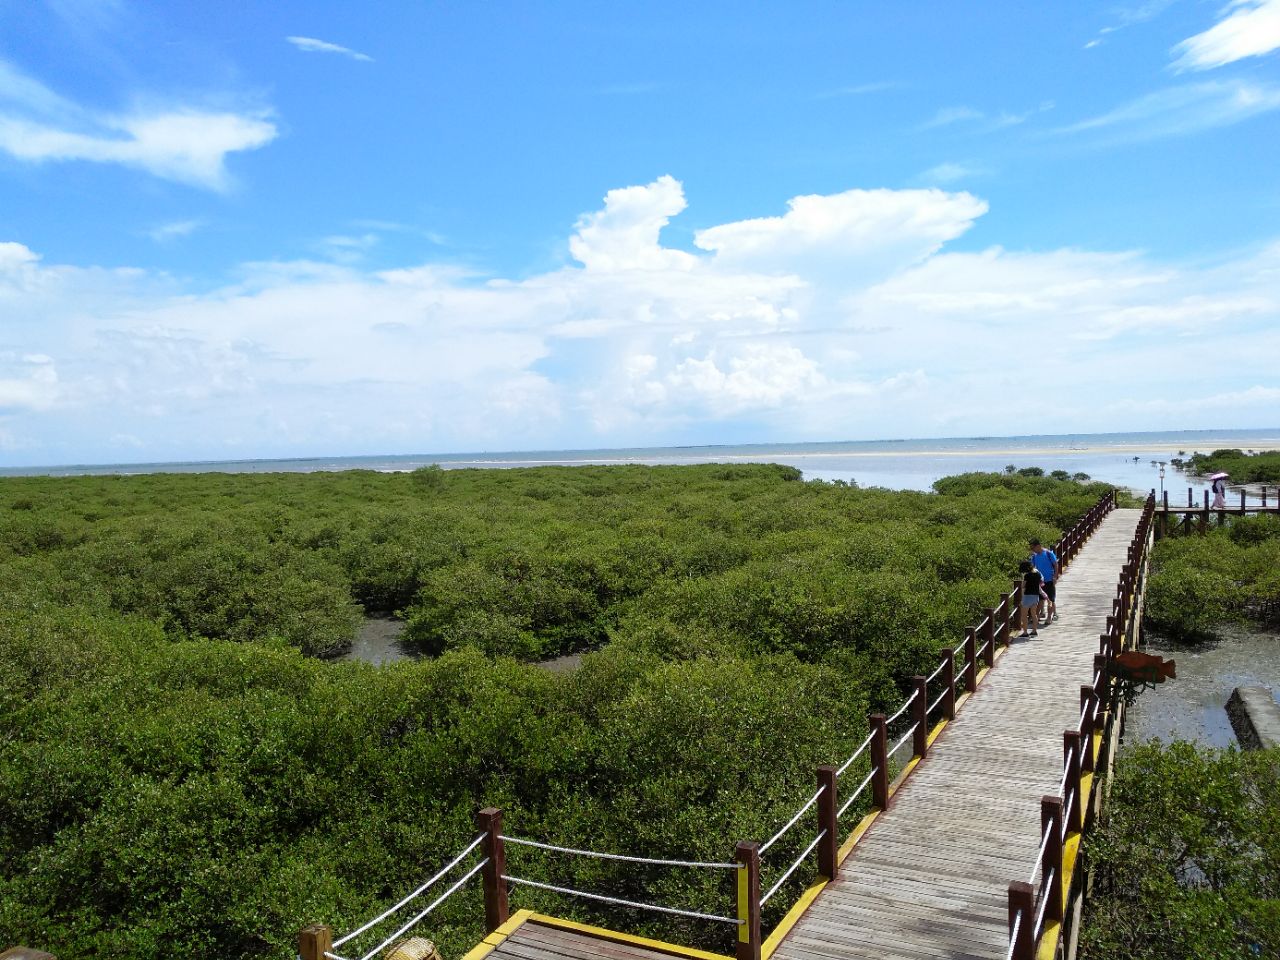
(600, 933)
(487, 945)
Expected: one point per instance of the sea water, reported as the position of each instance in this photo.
(1130, 460)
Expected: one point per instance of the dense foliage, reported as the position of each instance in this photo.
(1188, 863)
(1231, 573)
(178, 776)
(1244, 467)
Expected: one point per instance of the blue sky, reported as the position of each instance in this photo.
(254, 230)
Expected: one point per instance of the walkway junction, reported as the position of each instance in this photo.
(977, 808)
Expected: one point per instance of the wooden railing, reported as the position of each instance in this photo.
(959, 672)
(1038, 911)
(1195, 516)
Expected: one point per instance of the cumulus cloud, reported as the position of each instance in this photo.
(312, 45)
(844, 315)
(1250, 28)
(182, 143)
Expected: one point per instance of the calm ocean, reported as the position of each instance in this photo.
(1125, 459)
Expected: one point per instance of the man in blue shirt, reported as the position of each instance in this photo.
(1046, 561)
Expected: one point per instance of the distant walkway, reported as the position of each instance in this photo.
(930, 877)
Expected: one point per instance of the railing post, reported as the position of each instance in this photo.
(829, 845)
(989, 636)
(747, 855)
(1071, 758)
(879, 761)
(1022, 917)
(496, 911)
(1089, 708)
(949, 678)
(970, 660)
(1051, 821)
(314, 941)
(920, 717)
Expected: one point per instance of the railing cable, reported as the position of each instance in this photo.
(792, 869)
(419, 918)
(905, 737)
(857, 753)
(619, 901)
(854, 796)
(378, 919)
(903, 709)
(792, 822)
(520, 841)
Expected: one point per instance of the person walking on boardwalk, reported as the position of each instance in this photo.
(1219, 490)
(1046, 562)
(1032, 594)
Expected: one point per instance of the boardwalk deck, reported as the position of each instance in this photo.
(930, 877)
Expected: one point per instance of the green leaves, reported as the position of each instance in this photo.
(1186, 864)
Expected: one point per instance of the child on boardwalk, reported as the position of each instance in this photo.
(1046, 563)
(1032, 593)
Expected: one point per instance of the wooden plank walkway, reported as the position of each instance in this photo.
(930, 877)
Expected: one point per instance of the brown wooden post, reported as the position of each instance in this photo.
(829, 845)
(496, 911)
(1051, 822)
(1190, 502)
(970, 660)
(1071, 755)
(747, 855)
(1022, 917)
(988, 635)
(1100, 671)
(879, 761)
(1204, 514)
(1089, 708)
(949, 678)
(313, 942)
(1242, 501)
(1002, 621)
(920, 717)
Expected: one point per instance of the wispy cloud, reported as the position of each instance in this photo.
(1128, 16)
(1250, 28)
(1178, 111)
(312, 45)
(861, 89)
(947, 173)
(181, 143)
(166, 232)
(946, 116)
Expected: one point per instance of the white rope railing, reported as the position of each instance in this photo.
(1013, 935)
(1066, 810)
(905, 737)
(934, 706)
(857, 753)
(792, 822)
(386, 913)
(420, 917)
(618, 901)
(854, 796)
(520, 841)
(1044, 902)
(792, 869)
(1066, 773)
(1044, 844)
(934, 676)
(903, 709)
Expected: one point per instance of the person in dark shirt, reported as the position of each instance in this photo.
(1032, 594)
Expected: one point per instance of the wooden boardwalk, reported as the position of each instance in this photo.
(930, 877)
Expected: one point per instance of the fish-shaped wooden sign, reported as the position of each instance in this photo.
(1138, 667)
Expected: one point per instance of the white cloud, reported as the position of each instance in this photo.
(182, 143)
(312, 45)
(844, 316)
(166, 232)
(949, 115)
(1177, 111)
(948, 173)
(1251, 28)
(624, 235)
